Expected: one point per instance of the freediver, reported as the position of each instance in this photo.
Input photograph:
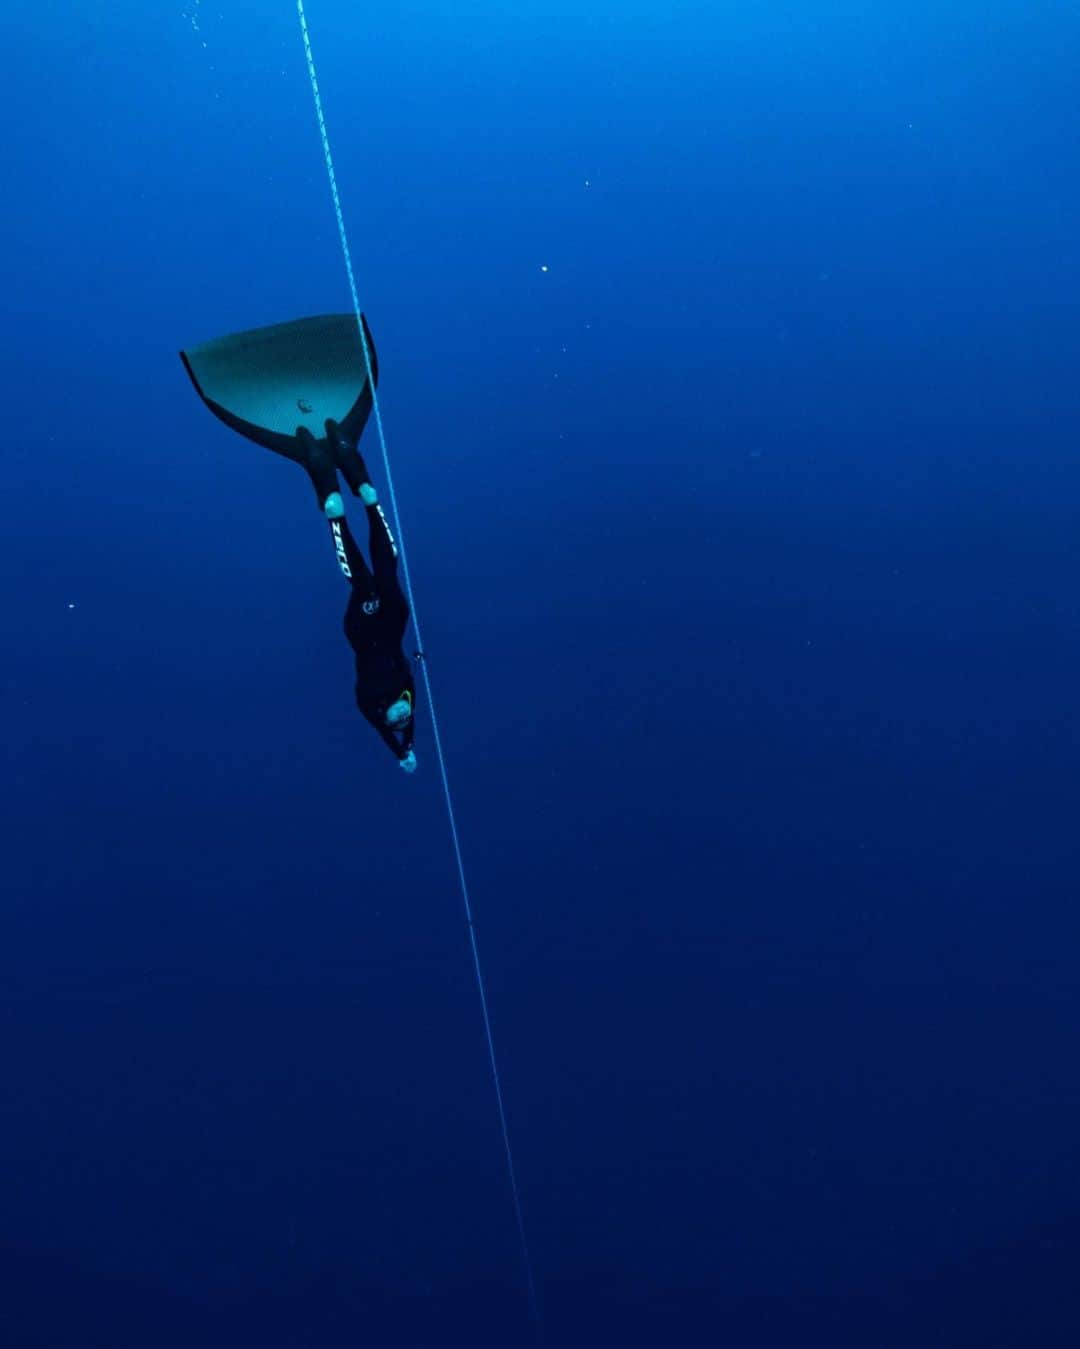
(273, 385)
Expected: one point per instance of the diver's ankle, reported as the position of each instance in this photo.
(334, 506)
(368, 494)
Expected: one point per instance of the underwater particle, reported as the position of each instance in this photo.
(71, 606)
(543, 266)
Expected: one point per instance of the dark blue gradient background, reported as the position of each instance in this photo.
(744, 542)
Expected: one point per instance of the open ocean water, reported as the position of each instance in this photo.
(728, 367)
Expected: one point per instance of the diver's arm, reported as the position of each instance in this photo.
(390, 739)
(403, 750)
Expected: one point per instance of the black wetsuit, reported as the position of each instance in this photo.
(375, 623)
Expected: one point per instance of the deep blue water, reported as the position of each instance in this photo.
(728, 365)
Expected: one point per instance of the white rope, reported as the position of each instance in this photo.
(470, 924)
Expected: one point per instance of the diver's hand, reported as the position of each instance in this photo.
(408, 764)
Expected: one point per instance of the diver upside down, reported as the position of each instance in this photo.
(273, 385)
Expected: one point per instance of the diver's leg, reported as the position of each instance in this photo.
(347, 458)
(349, 557)
(384, 564)
(384, 552)
(316, 458)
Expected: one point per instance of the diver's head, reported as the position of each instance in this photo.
(399, 714)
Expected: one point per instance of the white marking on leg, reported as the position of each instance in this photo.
(339, 547)
(389, 533)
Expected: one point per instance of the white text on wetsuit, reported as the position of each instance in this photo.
(339, 546)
